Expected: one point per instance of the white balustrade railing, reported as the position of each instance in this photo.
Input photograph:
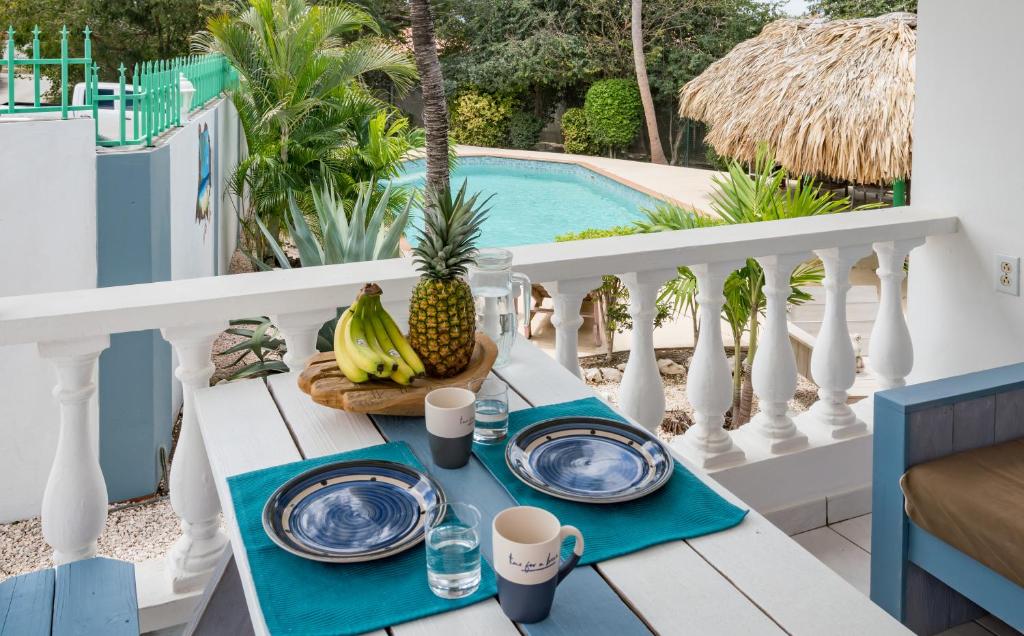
(191, 313)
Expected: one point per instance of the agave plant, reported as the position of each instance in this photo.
(340, 237)
(742, 198)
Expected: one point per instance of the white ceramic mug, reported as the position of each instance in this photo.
(527, 547)
(450, 414)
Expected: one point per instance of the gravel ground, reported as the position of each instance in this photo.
(678, 411)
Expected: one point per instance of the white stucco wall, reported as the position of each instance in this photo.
(967, 161)
(193, 242)
(47, 243)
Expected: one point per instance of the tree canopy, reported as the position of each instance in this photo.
(846, 9)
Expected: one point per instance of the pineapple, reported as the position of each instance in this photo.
(442, 316)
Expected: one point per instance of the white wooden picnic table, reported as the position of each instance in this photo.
(751, 579)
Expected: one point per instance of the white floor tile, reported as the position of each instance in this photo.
(839, 553)
(857, 530)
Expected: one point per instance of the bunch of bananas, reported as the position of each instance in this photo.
(369, 345)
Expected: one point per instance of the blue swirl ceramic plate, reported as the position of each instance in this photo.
(589, 459)
(353, 511)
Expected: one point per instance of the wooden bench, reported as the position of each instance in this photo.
(918, 578)
(93, 596)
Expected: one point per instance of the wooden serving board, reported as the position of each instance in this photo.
(327, 385)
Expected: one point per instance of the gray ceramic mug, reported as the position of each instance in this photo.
(527, 547)
(451, 416)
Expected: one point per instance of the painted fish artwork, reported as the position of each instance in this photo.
(205, 192)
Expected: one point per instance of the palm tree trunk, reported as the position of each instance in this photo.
(639, 60)
(435, 109)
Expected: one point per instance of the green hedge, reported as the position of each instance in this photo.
(614, 112)
(481, 119)
(524, 130)
(575, 135)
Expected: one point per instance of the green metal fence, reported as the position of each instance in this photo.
(146, 104)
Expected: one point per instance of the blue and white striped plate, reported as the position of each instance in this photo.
(352, 511)
(589, 459)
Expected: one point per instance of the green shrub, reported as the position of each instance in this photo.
(614, 112)
(575, 135)
(481, 119)
(613, 294)
(524, 130)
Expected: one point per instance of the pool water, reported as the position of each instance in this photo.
(535, 201)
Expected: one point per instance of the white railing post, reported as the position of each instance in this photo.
(709, 381)
(774, 373)
(193, 494)
(642, 395)
(300, 331)
(74, 507)
(833, 364)
(567, 296)
(890, 352)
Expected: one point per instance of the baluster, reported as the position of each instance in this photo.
(774, 371)
(568, 296)
(642, 395)
(75, 499)
(832, 363)
(299, 331)
(891, 352)
(709, 381)
(193, 494)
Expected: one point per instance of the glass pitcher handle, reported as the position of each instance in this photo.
(525, 294)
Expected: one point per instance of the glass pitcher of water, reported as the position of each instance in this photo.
(495, 288)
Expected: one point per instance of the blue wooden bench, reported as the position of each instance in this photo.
(923, 581)
(93, 596)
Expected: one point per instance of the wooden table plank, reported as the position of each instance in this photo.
(242, 431)
(26, 604)
(325, 431)
(95, 596)
(771, 570)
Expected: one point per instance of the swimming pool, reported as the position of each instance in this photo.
(535, 201)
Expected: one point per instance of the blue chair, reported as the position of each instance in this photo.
(92, 596)
(920, 579)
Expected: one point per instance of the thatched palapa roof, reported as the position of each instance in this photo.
(831, 98)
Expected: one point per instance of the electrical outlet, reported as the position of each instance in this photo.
(1008, 275)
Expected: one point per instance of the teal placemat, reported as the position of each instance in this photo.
(299, 596)
(681, 509)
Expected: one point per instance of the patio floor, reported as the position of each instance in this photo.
(846, 548)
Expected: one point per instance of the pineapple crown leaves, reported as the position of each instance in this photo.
(451, 227)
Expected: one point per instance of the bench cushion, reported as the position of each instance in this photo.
(973, 501)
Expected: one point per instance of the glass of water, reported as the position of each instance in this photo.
(491, 412)
(453, 550)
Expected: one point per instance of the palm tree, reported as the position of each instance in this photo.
(301, 98)
(435, 109)
(640, 61)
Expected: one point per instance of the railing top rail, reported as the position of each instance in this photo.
(73, 314)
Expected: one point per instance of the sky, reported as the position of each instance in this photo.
(795, 7)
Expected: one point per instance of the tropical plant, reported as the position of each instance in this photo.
(613, 113)
(613, 295)
(575, 135)
(640, 62)
(302, 97)
(481, 119)
(742, 198)
(435, 107)
(442, 313)
(340, 236)
(260, 339)
(524, 130)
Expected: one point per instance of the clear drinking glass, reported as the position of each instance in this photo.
(453, 550)
(491, 412)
